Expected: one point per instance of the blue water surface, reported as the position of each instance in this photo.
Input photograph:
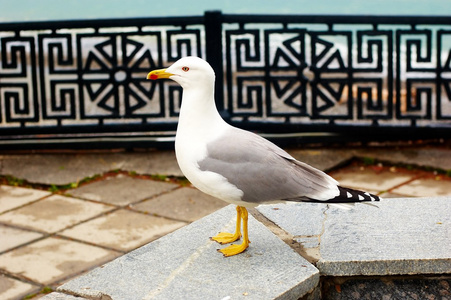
(32, 10)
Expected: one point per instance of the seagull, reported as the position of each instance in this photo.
(235, 165)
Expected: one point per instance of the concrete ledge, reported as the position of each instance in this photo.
(401, 236)
(186, 265)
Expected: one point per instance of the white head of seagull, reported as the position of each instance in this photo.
(238, 166)
(199, 117)
(190, 72)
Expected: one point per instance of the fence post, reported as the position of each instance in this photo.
(213, 44)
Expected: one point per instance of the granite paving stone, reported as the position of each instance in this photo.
(12, 237)
(299, 219)
(304, 221)
(122, 230)
(12, 197)
(425, 187)
(186, 265)
(187, 204)
(14, 289)
(53, 213)
(53, 259)
(400, 236)
(122, 190)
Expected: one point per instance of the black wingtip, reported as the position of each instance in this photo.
(348, 195)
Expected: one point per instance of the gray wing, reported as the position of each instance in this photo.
(263, 171)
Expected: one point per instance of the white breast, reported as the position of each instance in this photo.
(191, 147)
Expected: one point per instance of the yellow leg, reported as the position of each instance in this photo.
(226, 237)
(236, 249)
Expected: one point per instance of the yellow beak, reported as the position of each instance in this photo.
(158, 74)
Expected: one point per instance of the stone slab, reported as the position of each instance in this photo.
(186, 203)
(122, 230)
(186, 265)
(53, 213)
(425, 187)
(12, 196)
(122, 190)
(12, 237)
(298, 219)
(323, 159)
(326, 159)
(14, 289)
(369, 180)
(53, 259)
(436, 157)
(401, 236)
(67, 168)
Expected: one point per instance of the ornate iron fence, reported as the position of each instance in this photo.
(352, 77)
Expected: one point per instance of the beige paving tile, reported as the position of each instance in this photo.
(367, 179)
(427, 187)
(123, 230)
(188, 204)
(53, 213)
(13, 237)
(14, 289)
(12, 196)
(393, 195)
(122, 190)
(51, 259)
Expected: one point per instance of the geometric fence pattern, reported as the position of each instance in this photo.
(362, 73)
(274, 73)
(87, 77)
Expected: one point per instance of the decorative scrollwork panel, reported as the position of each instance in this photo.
(286, 61)
(18, 85)
(416, 90)
(444, 65)
(373, 75)
(113, 80)
(59, 88)
(245, 73)
(280, 72)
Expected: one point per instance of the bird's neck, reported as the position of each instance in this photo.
(198, 112)
(199, 123)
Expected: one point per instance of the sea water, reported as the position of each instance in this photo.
(32, 10)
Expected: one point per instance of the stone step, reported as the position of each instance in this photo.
(402, 237)
(186, 265)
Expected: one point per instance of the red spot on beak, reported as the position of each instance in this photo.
(153, 77)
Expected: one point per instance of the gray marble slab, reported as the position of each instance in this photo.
(400, 236)
(186, 265)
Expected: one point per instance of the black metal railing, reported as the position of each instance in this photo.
(355, 77)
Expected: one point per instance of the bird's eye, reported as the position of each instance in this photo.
(185, 69)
